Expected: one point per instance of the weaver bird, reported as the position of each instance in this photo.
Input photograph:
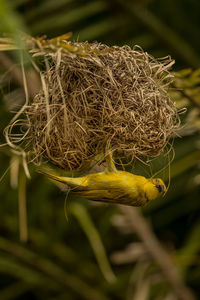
(114, 186)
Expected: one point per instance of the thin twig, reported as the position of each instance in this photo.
(33, 80)
(8, 65)
(158, 253)
(23, 227)
(188, 97)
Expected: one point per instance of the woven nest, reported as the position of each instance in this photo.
(112, 98)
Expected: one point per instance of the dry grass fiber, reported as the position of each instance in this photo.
(96, 98)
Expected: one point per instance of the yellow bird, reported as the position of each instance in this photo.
(114, 186)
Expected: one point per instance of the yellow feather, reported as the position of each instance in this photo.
(114, 187)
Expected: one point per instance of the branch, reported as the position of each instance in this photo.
(158, 253)
(188, 97)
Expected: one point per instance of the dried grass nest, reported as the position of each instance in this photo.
(101, 98)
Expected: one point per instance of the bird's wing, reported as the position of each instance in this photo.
(106, 196)
(101, 194)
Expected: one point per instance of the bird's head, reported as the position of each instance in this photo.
(154, 188)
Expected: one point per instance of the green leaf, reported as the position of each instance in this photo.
(80, 212)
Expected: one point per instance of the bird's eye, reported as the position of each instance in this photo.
(160, 188)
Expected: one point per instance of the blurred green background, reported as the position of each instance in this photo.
(94, 253)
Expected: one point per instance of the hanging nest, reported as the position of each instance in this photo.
(96, 97)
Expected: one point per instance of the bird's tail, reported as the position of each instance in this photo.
(70, 181)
